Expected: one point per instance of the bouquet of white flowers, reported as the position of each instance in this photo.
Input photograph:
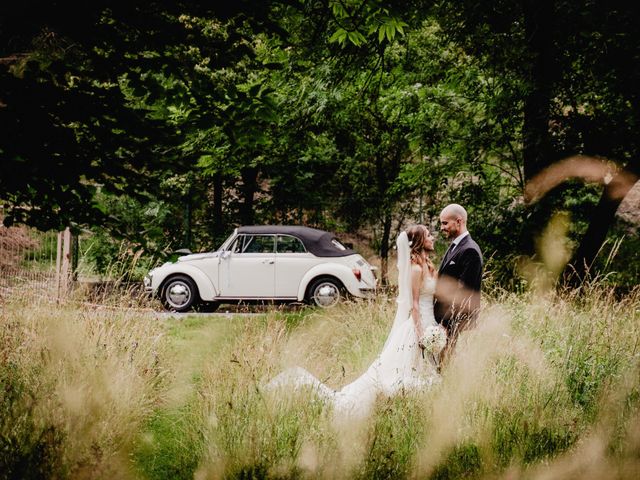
(433, 340)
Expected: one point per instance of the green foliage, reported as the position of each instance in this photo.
(348, 115)
(169, 446)
(29, 449)
(464, 461)
(357, 21)
(618, 262)
(393, 438)
(138, 236)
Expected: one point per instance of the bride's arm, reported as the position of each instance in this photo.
(416, 283)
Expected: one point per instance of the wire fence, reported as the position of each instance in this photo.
(38, 266)
(28, 260)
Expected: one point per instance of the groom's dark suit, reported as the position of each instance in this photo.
(458, 296)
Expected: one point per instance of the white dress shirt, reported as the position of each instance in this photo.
(458, 239)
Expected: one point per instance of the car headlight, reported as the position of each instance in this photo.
(147, 280)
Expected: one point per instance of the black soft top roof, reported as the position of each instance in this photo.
(315, 241)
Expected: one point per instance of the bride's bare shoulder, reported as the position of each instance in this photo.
(416, 268)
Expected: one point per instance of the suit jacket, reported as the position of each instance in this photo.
(460, 275)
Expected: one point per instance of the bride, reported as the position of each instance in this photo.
(402, 364)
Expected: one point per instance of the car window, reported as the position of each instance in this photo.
(255, 244)
(338, 245)
(289, 244)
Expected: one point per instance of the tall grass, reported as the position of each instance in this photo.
(546, 386)
(76, 385)
(535, 380)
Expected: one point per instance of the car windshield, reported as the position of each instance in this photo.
(225, 245)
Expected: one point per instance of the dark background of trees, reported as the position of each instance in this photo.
(166, 124)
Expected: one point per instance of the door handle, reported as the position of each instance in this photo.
(268, 262)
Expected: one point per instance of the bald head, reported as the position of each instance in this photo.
(453, 220)
(455, 210)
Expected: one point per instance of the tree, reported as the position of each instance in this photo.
(576, 65)
(72, 81)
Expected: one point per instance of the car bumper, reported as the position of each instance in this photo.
(367, 292)
(148, 287)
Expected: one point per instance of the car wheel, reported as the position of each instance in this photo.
(325, 292)
(179, 294)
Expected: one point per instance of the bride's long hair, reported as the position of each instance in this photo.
(417, 235)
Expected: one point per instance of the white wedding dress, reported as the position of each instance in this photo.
(400, 365)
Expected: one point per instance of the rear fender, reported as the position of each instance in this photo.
(341, 272)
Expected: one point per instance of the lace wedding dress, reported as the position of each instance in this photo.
(399, 366)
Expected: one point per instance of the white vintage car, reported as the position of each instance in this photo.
(265, 263)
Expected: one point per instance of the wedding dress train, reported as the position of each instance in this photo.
(399, 366)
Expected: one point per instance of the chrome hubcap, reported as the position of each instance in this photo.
(326, 295)
(178, 294)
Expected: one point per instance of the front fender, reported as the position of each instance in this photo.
(206, 288)
(341, 272)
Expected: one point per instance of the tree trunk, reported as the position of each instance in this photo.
(384, 249)
(536, 149)
(602, 217)
(187, 220)
(249, 188)
(218, 221)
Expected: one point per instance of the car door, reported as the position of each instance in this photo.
(247, 269)
(292, 262)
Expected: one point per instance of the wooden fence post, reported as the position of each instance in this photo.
(64, 269)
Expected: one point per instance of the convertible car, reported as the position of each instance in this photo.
(265, 263)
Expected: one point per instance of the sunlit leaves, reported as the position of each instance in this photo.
(360, 21)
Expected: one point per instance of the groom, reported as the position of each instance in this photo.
(459, 276)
